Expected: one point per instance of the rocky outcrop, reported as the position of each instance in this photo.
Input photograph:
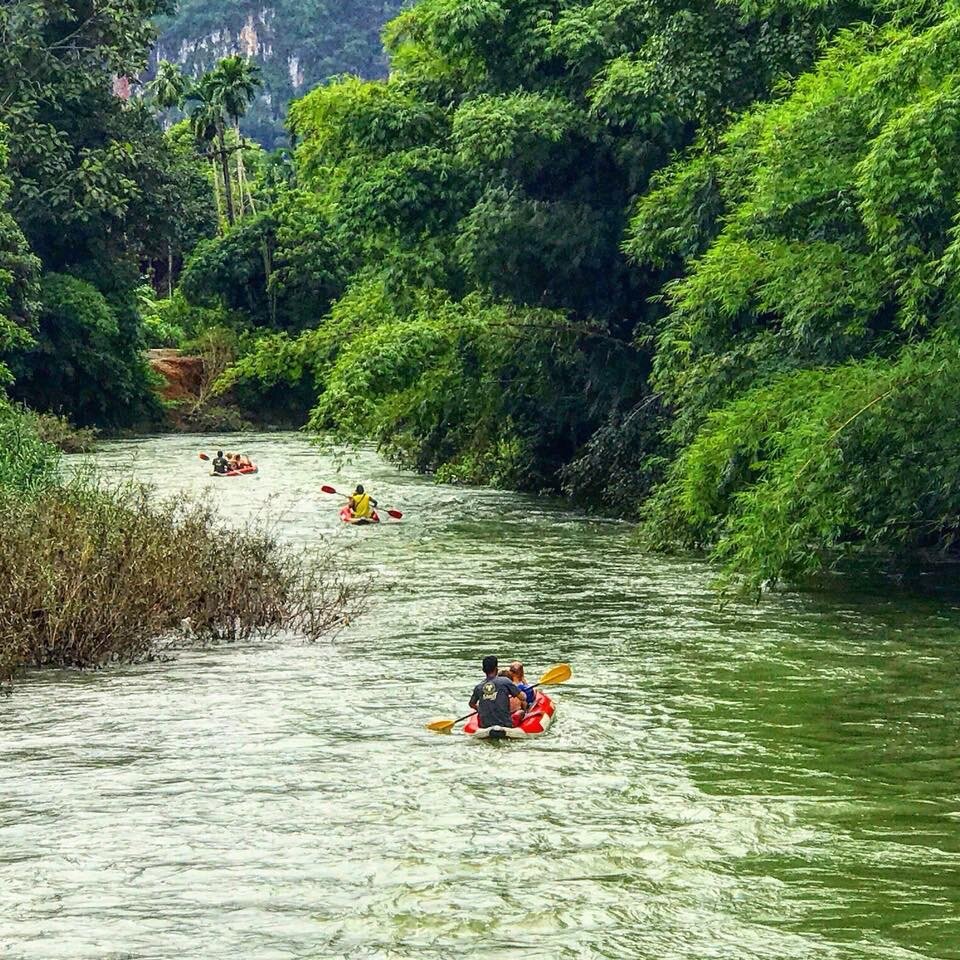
(295, 51)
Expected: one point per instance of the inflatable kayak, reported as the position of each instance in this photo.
(537, 720)
(346, 515)
(253, 468)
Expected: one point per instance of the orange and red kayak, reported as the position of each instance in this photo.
(242, 472)
(346, 515)
(535, 721)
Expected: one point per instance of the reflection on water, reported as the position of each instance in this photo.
(771, 782)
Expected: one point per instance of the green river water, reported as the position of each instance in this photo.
(777, 781)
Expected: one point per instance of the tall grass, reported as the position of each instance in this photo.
(89, 577)
(27, 464)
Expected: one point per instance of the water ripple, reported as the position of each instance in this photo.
(778, 782)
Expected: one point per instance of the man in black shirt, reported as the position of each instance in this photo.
(491, 697)
(220, 464)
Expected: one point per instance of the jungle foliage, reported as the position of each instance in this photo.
(693, 263)
(810, 350)
(470, 211)
(93, 192)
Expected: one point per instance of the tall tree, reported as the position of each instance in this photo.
(238, 80)
(208, 122)
(169, 88)
(18, 275)
(95, 188)
(77, 154)
(218, 97)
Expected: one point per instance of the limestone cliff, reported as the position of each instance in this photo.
(297, 44)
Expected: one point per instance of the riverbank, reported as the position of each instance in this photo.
(92, 575)
(912, 569)
(185, 386)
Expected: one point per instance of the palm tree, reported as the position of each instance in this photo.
(208, 123)
(223, 93)
(237, 80)
(169, 88)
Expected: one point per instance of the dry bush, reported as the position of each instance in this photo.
(89, 577)
(59, 432)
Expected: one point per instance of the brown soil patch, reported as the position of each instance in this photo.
(183, 375)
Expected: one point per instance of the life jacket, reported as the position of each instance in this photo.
(530, 695)
(360, 504)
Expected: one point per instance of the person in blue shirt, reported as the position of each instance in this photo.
(516, 675)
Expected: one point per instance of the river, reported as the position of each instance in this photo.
(777, 781)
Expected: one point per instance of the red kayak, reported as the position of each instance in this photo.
(346, 515)
(243, 471)
(536, 721)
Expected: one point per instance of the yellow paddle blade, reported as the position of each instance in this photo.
(559, 673)
(441, 726)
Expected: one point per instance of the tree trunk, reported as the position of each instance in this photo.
(268, 272)
(242, 174)
(169, 271)
(216, 193)
(241, 202)
(225, 168)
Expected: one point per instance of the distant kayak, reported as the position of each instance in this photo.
(346, 515)
(537, 721)
(242, 472)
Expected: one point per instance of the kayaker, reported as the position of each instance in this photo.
(516, 675)
(518, 704)
(220, 464)
(491, 696)
(361, 503)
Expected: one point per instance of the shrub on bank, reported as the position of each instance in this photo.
(62, 434)
(88, 578)
(27, 464)
(87, 357)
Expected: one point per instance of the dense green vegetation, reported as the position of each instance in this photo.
(477, 202)
(98, 202)
(689, 263)
(811, 348)
(93, 196)
(95, 192)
